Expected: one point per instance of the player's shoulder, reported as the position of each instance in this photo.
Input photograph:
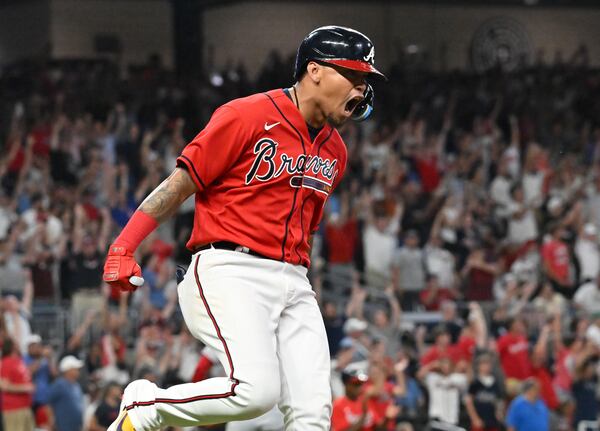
(336, 137)
(251, 104)
(336, 143)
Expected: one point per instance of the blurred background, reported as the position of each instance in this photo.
(457, 265)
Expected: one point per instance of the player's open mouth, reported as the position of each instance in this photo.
(351, 104)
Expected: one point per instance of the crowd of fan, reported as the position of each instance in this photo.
(457, 264)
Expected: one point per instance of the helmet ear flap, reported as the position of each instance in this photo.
(365, 107)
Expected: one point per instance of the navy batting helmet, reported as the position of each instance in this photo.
(342, 47)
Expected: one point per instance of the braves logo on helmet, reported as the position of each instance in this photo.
(370, 57)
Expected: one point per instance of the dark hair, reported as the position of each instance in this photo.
(512, 320)
(514, 187)
(8, 346)
(484, 356)
(430, 276)
(36, 197)
(553, 227)
(529, 383)
(591, 361)
(440, 330)
(379, 209)
(107, 387)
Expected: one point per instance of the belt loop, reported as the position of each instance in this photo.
(242, 249)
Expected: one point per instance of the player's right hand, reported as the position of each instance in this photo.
(121, 269)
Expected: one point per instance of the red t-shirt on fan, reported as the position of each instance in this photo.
(342, 241)
(262, 182)
(429, 173)
(514, 356)
(380, 403)
(556, 255)
(347, 412)
(15, 371)
(466, 347)
(434, 353)
(547, 392)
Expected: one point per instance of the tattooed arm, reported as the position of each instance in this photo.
(120, 268)
(164, 200)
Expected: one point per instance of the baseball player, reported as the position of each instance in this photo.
(261, 172)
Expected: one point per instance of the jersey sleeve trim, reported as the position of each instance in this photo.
(184, 162)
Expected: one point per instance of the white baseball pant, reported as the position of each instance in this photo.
(270, 421)
(262, 318)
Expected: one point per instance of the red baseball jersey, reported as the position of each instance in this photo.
(263, 183)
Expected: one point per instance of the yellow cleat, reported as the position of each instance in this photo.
(122, 423)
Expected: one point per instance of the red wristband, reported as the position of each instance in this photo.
(139, 226)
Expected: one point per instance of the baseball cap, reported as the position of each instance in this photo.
(354, 376)
(354, 325)
(33, 339)
(68, 363)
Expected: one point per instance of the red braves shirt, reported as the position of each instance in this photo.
(514, 356)
(465, 347)
(347, 412)
(262, 182)
(556, 254)
(380, 404)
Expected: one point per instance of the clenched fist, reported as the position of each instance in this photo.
(121, 269)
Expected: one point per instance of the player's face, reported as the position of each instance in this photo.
(342, 90)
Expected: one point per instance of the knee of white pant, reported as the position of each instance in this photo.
(258, 397)
(308, 411)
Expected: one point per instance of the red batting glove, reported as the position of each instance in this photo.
(120, 267)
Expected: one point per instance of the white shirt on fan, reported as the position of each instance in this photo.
(500, 193)
(533, 183)
(588, 297)
(588, 255)
(521, 229)
(440, 262)
(380, 248)
(444, 395)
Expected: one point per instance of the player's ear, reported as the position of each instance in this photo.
(314, 71)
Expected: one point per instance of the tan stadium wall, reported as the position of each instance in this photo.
(144, 27)
(248, 31)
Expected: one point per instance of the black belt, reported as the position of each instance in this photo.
(227, 245)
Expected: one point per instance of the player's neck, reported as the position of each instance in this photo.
(308, 105)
